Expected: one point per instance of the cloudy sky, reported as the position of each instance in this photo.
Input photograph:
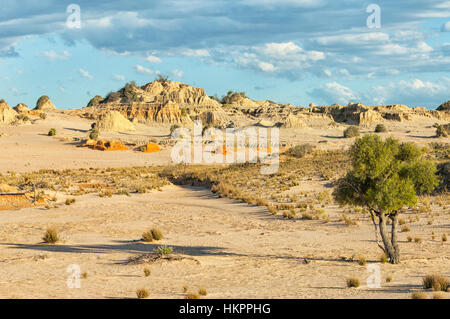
(289, 51)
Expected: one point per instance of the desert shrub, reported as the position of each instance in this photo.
(389, 278)
(96, 100)
(202, 291)
(173, 127)
(70, 201)
(444, 237)
(436, 282)
(380, 128)
(162, 78)
(352, 131)
(84, 275)
(142, 293)
(156, 233)
(51, 236)
(418, 295)
(191, 295)
(353, 283)
(43, 116)
(147, 272)
(405, 229)
(52, 132)
(164, 250)
(93, 135)
(147, 236)
(442, 130)
(299, 151)
(443, 171)
(362, 260)
(438, 295)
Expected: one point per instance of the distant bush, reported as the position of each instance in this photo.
(93, 135)
(142, 293)
(418, 295)
(96, 100)
(52, 132)
(173, 128)
(43, 116)
(300, 150)
(164, 250)
(50, 236)
(380, 128)
(352, 131)
(156, 234)
(442, 130)
(353, 283)
(437, 282)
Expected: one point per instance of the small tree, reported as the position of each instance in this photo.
(386, 176)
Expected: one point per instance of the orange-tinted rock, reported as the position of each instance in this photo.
(109, 146)
(152, 147)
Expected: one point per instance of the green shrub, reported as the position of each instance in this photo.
(164, 250)
(299, 151)
(352, 131)
(52, 132)
(380, 128)
(93, 135)
(156, 234)
(442, 130)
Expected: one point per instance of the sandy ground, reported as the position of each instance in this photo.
(28, 148)
(242, 251)
(238, 251)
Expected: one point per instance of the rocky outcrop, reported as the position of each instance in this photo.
(44, 104)
(21, 108)
(158, 101)
(293, 121)
(444, 106)
(114, 121)
(7, 114)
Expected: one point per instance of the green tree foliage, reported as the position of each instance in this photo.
(386, 176)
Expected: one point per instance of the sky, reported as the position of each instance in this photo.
(287, 51)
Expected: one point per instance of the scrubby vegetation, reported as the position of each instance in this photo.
(352, 131)
(380, 128)
(51, 236)
(52, 132)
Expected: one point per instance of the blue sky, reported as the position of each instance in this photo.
(289, 51)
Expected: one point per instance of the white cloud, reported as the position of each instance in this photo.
(266, 67)
(446, 27)
(153, 59)
(281, 49)
(85, 74)
(52, 55)
(334, 92)
(119, 77)
(196, 53)
(144, 70)
(177, 73)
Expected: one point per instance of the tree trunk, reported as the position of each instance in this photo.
(396, 256)
(389, 249)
